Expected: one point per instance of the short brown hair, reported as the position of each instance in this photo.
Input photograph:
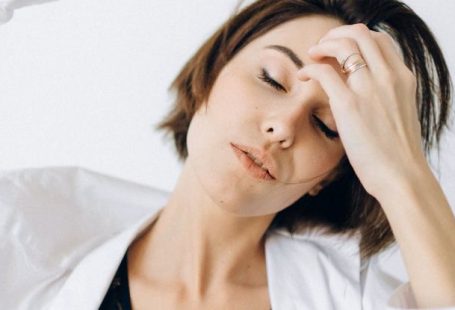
(343, 206)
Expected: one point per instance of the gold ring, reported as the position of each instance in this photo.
(360, 63)
(354, 67)
(343, 63)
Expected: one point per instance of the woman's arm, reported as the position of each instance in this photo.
(376, 116)
(424, 227)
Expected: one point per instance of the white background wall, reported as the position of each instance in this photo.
(84, 82)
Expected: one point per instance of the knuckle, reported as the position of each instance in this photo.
(361, 29)
(349, 45)
(331, 31)
(381, 35)
(386, 37)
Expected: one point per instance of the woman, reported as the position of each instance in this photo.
(303, 132)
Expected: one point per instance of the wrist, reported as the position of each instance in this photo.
(415, 179)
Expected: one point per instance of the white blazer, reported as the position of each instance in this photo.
(64, 231)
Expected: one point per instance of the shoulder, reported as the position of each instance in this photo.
(331, 254)
(333, 264)
(321, 270)
(342, 247)
(51, 217)
(317, 239)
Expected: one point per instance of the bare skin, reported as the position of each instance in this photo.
(180, 271)
(207, 247)
(206, 250)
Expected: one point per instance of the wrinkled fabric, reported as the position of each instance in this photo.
(64, 231)
(7, 7)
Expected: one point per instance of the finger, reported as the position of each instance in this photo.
(338, 92)
(390, 50)
(367, 45)
(341, 49)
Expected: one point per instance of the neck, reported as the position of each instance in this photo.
(199, 245)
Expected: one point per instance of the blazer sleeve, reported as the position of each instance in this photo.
(379, 287)
(51, 218)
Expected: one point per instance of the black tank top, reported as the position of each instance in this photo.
(118, 294)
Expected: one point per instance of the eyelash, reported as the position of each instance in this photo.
(332, 135)
(265, 76)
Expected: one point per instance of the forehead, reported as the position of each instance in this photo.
(298, 34)
(302, 30)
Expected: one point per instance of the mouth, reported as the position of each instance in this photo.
(251, 159)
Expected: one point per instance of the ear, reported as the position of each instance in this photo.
(315, 190)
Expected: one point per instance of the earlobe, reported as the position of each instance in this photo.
(315, 190)
(318, 187)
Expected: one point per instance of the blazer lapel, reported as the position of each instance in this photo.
(89, 281)
(308, 271)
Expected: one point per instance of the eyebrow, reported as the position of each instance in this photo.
(288, 52)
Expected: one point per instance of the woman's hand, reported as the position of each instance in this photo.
(376, 116)
(374, 107)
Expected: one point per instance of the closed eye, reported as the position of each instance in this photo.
(332, 135)
(265, 76)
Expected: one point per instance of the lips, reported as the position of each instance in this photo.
(261, 158)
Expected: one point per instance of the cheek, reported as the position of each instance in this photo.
(236, 103)
(314, 161)
(327, 157)
(232, 108)
(233, 93)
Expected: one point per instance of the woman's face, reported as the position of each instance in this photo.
(257, 101)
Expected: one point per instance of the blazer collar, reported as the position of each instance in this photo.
(305, 271)
(313, 271)
(88, 283)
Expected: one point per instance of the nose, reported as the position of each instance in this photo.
(286, 119)
(282, 126)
